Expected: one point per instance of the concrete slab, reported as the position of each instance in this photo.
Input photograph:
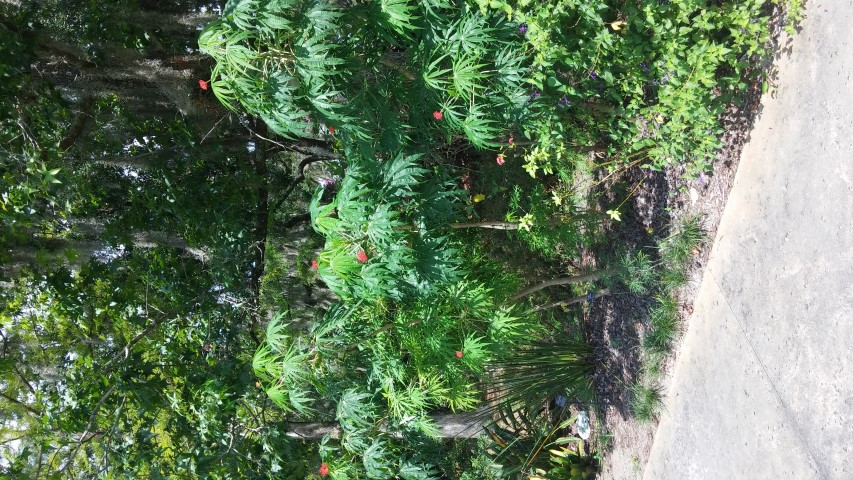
(723, 417)
(782, 265)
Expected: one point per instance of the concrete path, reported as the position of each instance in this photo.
(763, 385)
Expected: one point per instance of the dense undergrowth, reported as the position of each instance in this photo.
(470, 140)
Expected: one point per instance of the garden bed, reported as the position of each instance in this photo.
(616, 324)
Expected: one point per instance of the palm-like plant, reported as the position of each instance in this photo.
(383, 230)
(376, 70)
(385, 367)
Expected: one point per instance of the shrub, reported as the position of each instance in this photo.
(384, 72)
(648, 75)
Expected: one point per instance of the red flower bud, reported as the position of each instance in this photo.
(331, 130)
(314, 264)
(203, 84)
(500, 159)
(458, 354)
(361, 256)
(324, 469)
(437, 115)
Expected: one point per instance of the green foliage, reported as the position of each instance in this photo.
(676, 251)
(283, 366)
(386, 366)
(652, 75)
(376, 71)
(638, 271)
(384, 230)
(408, 351)
(679, 247)
(517, 440)
(115, 347)
(794, 14)
(421, 320)
(664, 319)
(555, 225)
(30, 170)
(646, 401)
(570, 463)
(540, 371)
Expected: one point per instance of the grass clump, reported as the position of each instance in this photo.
(676, 253)
(646, 401)
(678, 248)
(664, 326)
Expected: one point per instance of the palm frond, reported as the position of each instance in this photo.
(400, 16)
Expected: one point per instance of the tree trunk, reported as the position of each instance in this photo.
(153, 239)
(74, 252)
(450, 426)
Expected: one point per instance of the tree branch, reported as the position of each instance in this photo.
(292, 221)
(296, 181)
(21, 404)
(261, 224)
(84, 115)
(24, 379)
(83, 438)
(132, 342)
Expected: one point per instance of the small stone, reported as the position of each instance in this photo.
(583, 425)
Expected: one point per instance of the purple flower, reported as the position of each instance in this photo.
(593, 75)
(522, 29)
(665, 78)
(535, 94)
(326, 182)
(564, 102)
(645, 66)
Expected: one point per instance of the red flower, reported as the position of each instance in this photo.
(331, 130)
(511, 141)
(324, 469)
(458, 354)
(314, 264)
(203, 84)
(500, 160)
(437, 115)
(361, 256)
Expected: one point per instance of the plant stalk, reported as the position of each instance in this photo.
(571, 301)
(589, 277)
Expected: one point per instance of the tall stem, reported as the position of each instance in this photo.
(589, 277)
(502, 225)
(389, 61)
(495, 225)
(571, 301)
